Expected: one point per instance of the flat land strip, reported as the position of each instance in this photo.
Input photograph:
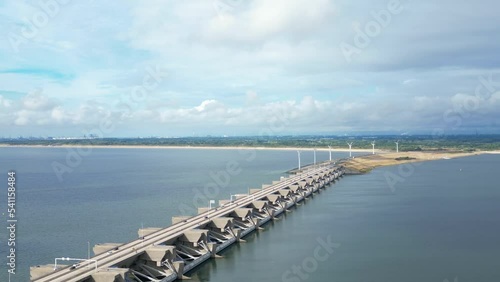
(363, 164)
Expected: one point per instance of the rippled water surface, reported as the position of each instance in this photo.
(440, 221)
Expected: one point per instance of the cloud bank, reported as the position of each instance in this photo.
(170, 68)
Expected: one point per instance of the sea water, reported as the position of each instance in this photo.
(440, 220)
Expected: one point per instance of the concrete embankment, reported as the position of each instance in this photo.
(169, 253)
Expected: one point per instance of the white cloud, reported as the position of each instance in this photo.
(209, 106)
(270, 20)
(242, 68)
(5, 103)
(36, 101)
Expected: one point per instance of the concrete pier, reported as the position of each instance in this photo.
(167, 254)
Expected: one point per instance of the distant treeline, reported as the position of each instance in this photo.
(406, 143)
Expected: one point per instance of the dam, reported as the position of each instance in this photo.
(168, 254)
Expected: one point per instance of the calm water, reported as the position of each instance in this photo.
(440, 222)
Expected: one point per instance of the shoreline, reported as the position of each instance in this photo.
(378, 152)
(366, 163)
(191, 147)
(491, 152)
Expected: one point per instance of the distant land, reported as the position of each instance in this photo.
(460, 143)
(366, 163)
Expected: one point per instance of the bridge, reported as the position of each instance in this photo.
(167, 254)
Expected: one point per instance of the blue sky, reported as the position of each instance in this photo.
(234, 67)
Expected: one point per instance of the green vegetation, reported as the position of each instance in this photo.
(404, 159)
(467, 143)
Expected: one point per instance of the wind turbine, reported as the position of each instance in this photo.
(350, 149)
(397, 146)
(330, 150)
(210, 202)
(373, 145)
(315, 156)
(298, 153)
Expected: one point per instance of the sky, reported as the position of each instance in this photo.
(257, 67)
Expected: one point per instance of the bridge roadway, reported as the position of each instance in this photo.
(132, 248)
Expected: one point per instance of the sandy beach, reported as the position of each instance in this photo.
(366, 163)
(491, 152)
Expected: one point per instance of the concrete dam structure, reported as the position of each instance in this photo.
(167, 254)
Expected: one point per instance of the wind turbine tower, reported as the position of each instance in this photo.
(330, 150)
(373, 147)
(298, 153)
(397, 146)
(350, 149)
